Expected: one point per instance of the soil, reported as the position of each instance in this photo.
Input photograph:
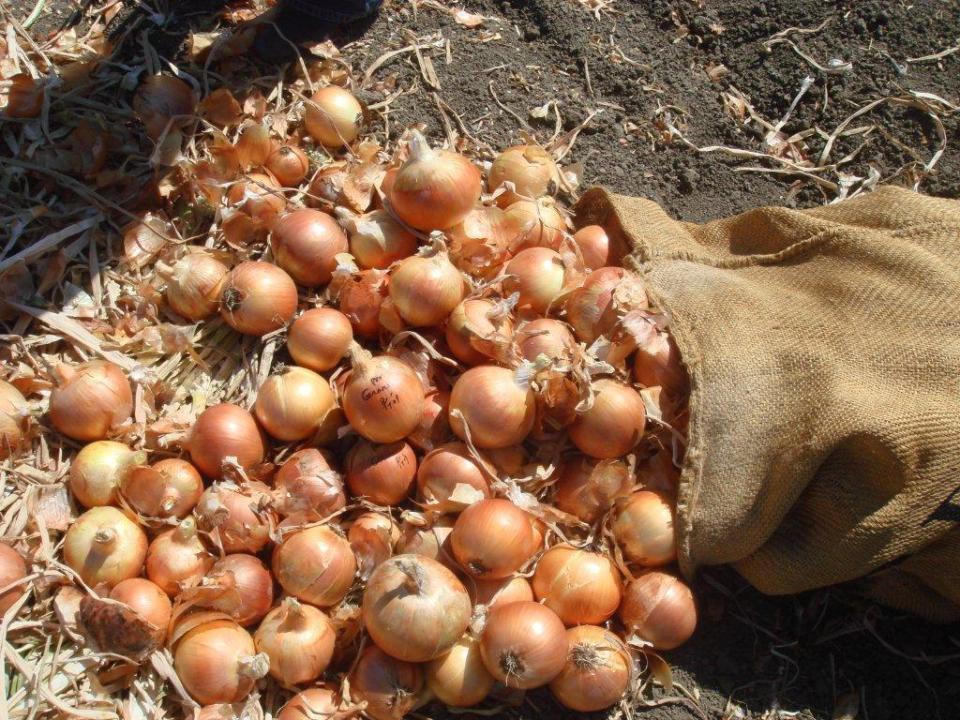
(827, 654)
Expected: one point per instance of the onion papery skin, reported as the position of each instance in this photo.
(104, 546)
(247, 588)
(537, 223)
(383, 399)
(590, 308)
(378, 241)
(658, 363)
(196, 285)
(425, 290)
(587, 487)
(530, 168)
(433, 429)
(613, 425)
(177, 558)
(597, 672)
(293, 404)
(478, 331)
(373, 537)
(360, 299)
(93, 399)
(169, 488)
(147, 599)
(494, 593)
(480, 244)
(390, 687)
(318, 703)
(163, 103)
(523, 644)
(383, 474)
(414, 608)
(594, 244)
(334, 117)
(259, 197)
(319, 339)
(240, 517)
(258, 298)
(538, 274)
(660, 609)
(210, 661)
(13, 419)
(643, 528)
(12, 568)
(432, 541)
(497, 411)
(548, 337)
(98, 469)
(299, 640)
(443, 471)
(458, 677)
(315, 565)
(254, 145)
(306, 485)
(223, 431)
(581, 587)
(492, 539)
(305, 243)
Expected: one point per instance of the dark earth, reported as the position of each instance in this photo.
(824, 654)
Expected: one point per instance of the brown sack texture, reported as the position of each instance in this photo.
(823, 348)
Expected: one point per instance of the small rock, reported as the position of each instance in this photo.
(688, 180)
(531, 32)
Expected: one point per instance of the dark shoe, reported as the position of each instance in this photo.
(303, 22)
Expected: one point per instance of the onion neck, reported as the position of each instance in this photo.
(185, 531)
(414, 580)
(419, 147)
(585, 656)
(254, 666)
(359, 356)
(105, 537)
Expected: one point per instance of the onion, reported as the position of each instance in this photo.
(241, 517)
(414, 608)
(581, 587)
(590, 308)
(481, 243)
(383, 474)
(594, 244)
(524, 644)
(98, 470)
(319, 338)
(597, 672)
(391, 688)
(378, 241)
(177, 558)
(146, 599)
(537, 223)
(168, 488)
(13, 415)
(530, 168)
(373, 536)
(425, 290)
(479, 330)
(288, 164)
(334, 117)
(258, 298)
(547, 337)
(509, 460)
(254, 145)
(432, 541)
(494, 593)
(258, 196)
(587, 487)
(293, 404)
(299, 641)
(307, 485)
(643, 529)
(434, 427)
(91, 400)
(449, 479)
(162, 102)
(24, 97)
(104, 546)
(538, 274)
(613, 425)
(658, 363)
(224, 431)
(459, 677)
(492, 539)
(217, 662)
(145, 237)
(244, 588)
(195, 285)
(659, 608)
(305, 243)
(315, 565)
(496, 409)
(383, 398)
(360, 299)
(12, 569)
(318, 703)
(434, 189)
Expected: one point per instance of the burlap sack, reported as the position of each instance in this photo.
(823, 348)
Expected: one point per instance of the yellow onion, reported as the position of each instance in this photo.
(434, 427)
(432, 541)
(223, 431)
(591, 309)
(383, 474)
(530, 168)
(317, 703)
(195, 285)
(243, 588)
(538, 274)
(293, 404)
(478, 330)
(497, 411)
(458, 677)
(426, 289)
(449, 478)
(378, 241)
(24, 97)
(597, 672)
(315, 565)
(659, 608)
(536, 223)
(643, 529)
(12, 569)
(492, 539)
(217, 662)
(288, 164)
(91, 400)
(391, 688)
(305, 243)
(657, 362)
(254, 145)
(258, 298)
(319, 338)
(307, 485)
(241, 517)
(373, 536)
(594, 244)
(613, 425)
(587, 488)
(98, 470)
(434, 189)
(493, 593)
(104, 546)
(509, 460)
(259, 197)
(581, 587)
(547, 337)
(480, 244)
(144, 238)
(414, 608)
(168, 488)
(383, 397)
(523, 645)
(299, 641)
(148, 600)
(177, 558)
(13, 419)
(334, 117)
(163, 103)
(360, 299)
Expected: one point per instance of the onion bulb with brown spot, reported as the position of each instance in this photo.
(587, 488)
(224, 431)
(316, 565)
(643, 529)
(536, 223)
(523, 644)
(12, 570)
(449, 479)
(494, 593)
(490, 404)
(383, 474)
(195, 285)
(391, 688)
(373, 536)
(163, 103)
(613, 425)
(594, 244)
(288, 164)
(479, 330)
(299, 641)
(378, 241)
(538, 274)
(320, 338)
(530, 168)
(306, 485)
(305, 243)
(91, 399)
(177, 558)
(458, 677)
(293, 404)
(383, 397)
(597, 672)
(148, 600)
(547, 337)
(104, 546)
(13, 419)
(581, 587)
(241, 516)
(492, 539)
(258, 298)
(217, 662)
(243, 588)
(98, 470)
(426, 289)
(170, 488)
(333, 117)
(659, 608)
